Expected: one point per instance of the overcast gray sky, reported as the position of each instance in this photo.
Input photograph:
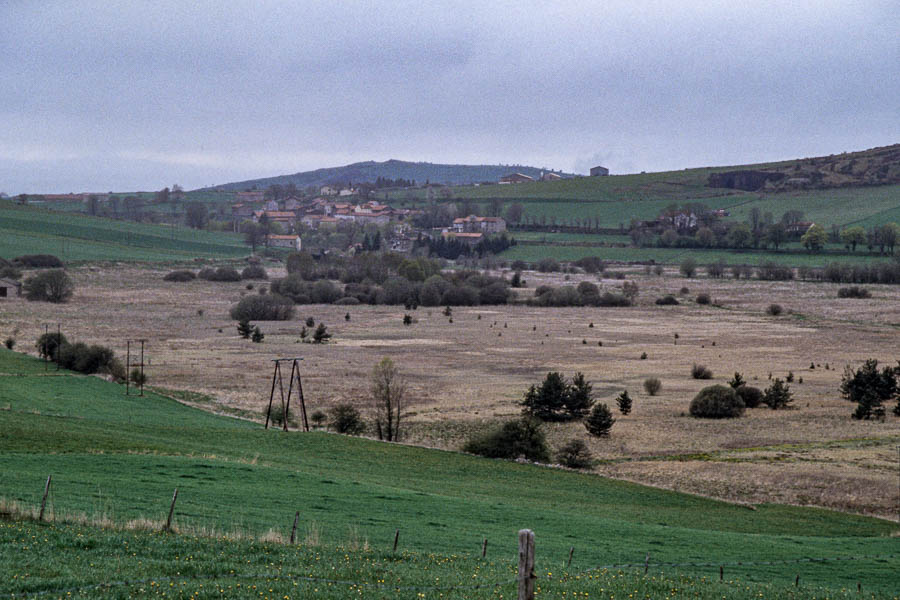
(114, 95)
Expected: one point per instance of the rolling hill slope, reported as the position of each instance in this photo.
(122, 456)
(369, 171)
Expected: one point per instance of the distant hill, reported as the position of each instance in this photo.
(369, 171)
(876, 166)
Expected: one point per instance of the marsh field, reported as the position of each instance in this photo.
(467, 370)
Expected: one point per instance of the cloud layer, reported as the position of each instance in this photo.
(138, 95)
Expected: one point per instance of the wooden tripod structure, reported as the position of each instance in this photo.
(286, 400)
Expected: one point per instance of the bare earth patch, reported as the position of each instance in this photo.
(464, 374)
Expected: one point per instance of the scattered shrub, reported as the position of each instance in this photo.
(547, 265)
(182, 275)
(49, 286)
(774, 310)
(752, 396)
(318, 418)
(623, 400)
(574, 455)
(206, 273)
(257, 336)
(555, 399)
(270, 307)
(778, 395)
(701, 372)
(643, 356)
(870, 388)
(244, 329)
(85, 359)
(854, 292)
(520, 438)
(10, 343)
(346, 419)
(321, 335)
(684, 291)
(600, 421)
(703, 299)
(667, 300)
(137, 377)
(717, 402)
(652, 385)
(48, 343)
(407, 320)
(688, 267)
(276, 415)
(254, 272)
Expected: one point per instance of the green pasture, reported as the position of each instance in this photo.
(72, 237)
(122, 456)
(71, 561)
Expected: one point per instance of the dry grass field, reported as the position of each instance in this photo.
(463, 374)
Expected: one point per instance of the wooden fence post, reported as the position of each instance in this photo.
(396, 539)
(484, 548)
(571, 552)
(44, 499)
(647, 563)
(721, 573)
(526, 564)
(168, 526)
(294, 528)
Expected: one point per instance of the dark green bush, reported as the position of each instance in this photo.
(270, 307)
(206, 273)
(521, 438)
(344, 418)
(85, 359)
(703, 299)
(778, 395)
(717, 402)
(751, 396)
(600, 421)
(667, 300)
(182, 275)
(652, 385)
(774, 310)
(48, 343)
(574, 455)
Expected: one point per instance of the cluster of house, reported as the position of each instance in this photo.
(323, 212)
(473, 229)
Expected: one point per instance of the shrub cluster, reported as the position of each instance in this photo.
(556, 399)
(885, 272)
(586, 294)
(667, 300)
(254, 272)
(521, 438)
(854, 292)
(270, 307)
(769, 271)
(717, 402)
(182, 275)
(38, 261)
(80, 357)
(220, 274)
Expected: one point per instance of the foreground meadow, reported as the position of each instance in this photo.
(380, 520)
(469, 369)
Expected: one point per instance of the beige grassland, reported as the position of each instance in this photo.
(465, 374)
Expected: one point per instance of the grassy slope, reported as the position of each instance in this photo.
(27, 230)
(122, 456)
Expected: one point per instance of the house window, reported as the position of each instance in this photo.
(2, 292)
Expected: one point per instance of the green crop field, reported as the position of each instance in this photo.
(27, 230)
(120, 457)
